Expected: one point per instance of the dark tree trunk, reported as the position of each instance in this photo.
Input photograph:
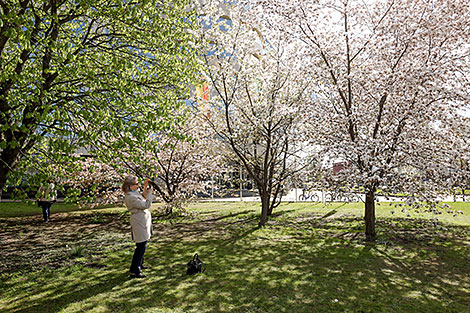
(370, 216)
(8, 161)
(270, 210)
(4, 170)
(264, 209)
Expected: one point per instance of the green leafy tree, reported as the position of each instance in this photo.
(78, 73)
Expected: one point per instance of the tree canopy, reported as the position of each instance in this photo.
(256, 104)
(390, 77)
(96, 74)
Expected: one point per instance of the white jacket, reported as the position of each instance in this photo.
(48, 194)
(141, 219)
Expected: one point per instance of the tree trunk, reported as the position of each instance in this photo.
(8, 161)
(4, 170)
(370, 216)
(168, 209)
(264, 209)
(270, 209)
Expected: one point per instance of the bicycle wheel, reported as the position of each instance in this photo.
(353, 198)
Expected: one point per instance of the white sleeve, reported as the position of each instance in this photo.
(138, 202)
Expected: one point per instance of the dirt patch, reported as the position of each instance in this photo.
(28, 242)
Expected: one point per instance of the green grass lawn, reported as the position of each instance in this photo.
(15, 209)
(307, 259)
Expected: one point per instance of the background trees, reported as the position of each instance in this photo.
(389, 79)
(460, 160)
(188, 155)
(255, 104)
(379, 85)
(77, 73)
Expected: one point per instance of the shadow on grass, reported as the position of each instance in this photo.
(249, 274)
(28, 244)
(332, 212)
(304, 264)
(61, 294)
(222, 217)
(281, 213)
(270, 270)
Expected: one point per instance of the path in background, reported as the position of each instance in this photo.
(295, 195)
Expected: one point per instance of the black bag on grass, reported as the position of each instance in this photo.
(195, 266)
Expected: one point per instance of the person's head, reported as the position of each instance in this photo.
(130, 183)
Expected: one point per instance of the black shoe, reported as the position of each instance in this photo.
(140, 275)
(143, 267)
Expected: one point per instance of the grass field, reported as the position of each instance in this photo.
(17, 209)
(307, 259)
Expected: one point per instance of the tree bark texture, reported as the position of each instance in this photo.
(8, 160)
(264, 209)
(370, 216)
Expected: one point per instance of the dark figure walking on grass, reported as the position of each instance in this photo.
(141, 220)
(47, 195)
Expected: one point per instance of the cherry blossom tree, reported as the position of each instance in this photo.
(179, 159)
(81, 179)
(187, 157)
(390, 77)
(92, 182)
(459, 175)
(256, 94)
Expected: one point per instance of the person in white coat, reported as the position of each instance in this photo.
(141, 220)
(46, 195)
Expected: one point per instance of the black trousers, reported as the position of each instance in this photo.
(46, 209)
(138, 257)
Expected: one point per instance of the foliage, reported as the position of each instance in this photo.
(76, 251)
(91, 74)
(93, 182)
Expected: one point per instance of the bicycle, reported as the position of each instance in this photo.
(341, 197)
(313, 197)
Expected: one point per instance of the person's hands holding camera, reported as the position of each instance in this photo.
(147, 188)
